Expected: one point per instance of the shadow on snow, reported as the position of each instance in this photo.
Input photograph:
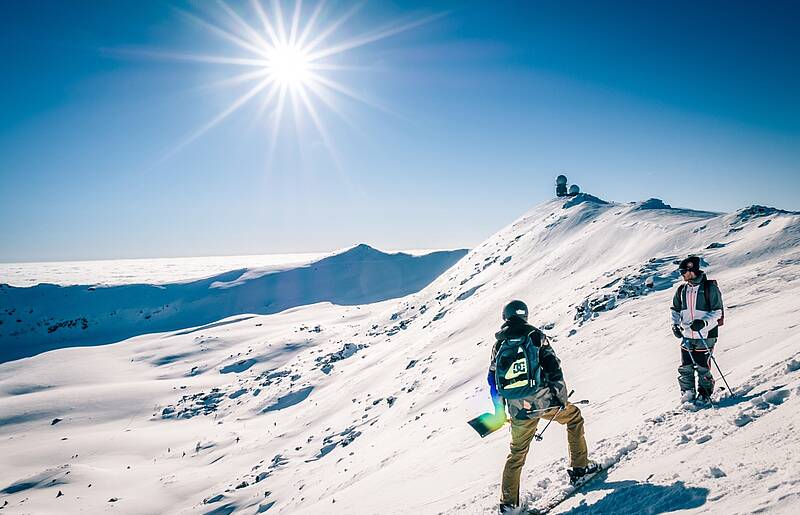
(635, 498)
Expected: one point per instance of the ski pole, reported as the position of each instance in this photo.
(582, 401)
(711, 355)
(538, 436)
(691, 356)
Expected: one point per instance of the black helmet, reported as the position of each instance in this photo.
(515, 308)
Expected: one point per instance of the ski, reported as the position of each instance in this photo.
(553, 502)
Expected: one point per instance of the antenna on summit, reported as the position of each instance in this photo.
(561, 186)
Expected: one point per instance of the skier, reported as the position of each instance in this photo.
(523, 359)
(696, 313)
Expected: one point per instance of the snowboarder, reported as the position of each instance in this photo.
(696, 314)
(525, 376)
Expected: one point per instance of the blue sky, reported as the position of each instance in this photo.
(481, 108)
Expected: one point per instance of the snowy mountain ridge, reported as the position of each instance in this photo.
(46, 316)
(362, 408)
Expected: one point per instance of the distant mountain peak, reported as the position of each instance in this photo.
(360, 250)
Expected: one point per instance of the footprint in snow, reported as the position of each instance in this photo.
(776, 397)
(742, 419)
(759, 405)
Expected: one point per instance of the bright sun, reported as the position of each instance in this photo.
(289, 66)
(287, 60)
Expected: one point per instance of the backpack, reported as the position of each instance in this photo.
(707, 295)
(721, 320)
(517, 369)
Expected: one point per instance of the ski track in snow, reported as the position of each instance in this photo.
(362, 409)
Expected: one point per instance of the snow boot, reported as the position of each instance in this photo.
(703, 400)
(577, 473)
(687, 396)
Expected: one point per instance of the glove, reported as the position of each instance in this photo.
(697, 325)
(558, 402)
(676, 330)
(499, 410)
(499, 407)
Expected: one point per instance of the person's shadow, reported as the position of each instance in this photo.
(633, 497)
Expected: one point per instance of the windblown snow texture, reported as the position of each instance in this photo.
(361, 408)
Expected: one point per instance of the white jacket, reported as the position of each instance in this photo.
(694, 308)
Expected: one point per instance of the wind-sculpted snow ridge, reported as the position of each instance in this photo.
(653, 203)
(44, 317)
(756, 211)
(362, 408)
(581, 198)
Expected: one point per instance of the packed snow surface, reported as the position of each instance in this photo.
(362, 408)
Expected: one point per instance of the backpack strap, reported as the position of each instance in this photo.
(708, 300)
(682, 295)
(706, 291)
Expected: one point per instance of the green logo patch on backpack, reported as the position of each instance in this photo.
(517, 369)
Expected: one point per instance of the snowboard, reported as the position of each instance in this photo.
(486, 423)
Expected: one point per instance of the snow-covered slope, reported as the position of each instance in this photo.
(47, 316)
(362, 409)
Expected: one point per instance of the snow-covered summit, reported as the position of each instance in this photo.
(755, 211)
(581, 198)
(653, 203)
(362, 408)
(360, 251)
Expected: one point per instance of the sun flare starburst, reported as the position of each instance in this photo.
(289, 66)
(287, 59)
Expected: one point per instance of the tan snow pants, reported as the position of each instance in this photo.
(522, 432)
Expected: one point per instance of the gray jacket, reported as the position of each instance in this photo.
(689, 303)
